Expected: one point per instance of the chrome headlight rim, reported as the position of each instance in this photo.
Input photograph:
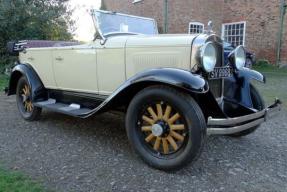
(208, 57)
(239, 57)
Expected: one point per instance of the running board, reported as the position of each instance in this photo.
(68, 109)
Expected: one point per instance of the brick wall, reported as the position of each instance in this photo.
(181, 12)
(284, 43)
(261, 16)
(262, 24)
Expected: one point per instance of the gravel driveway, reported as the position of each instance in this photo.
(69, 154)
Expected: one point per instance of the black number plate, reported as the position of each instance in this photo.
(220, 72)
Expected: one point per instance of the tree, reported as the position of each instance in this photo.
(33, 20)
(103, 5)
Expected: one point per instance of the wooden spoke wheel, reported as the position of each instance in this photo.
(24, 101)
(165, 127)
(26, 98)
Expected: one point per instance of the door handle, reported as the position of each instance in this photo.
(59, 58)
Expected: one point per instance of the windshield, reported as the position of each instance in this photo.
(108, 23)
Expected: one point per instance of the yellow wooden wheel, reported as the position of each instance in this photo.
(26, 96)
(163, 128)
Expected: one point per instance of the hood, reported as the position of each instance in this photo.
(174, 40)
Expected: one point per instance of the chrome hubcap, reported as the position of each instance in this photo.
(157, 130)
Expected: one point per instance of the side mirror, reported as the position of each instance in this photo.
(14, 47)
(11, 48)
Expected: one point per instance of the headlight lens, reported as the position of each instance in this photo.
(208, 57)
(239, 57)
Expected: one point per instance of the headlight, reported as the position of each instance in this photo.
(239, 57)
(208, 57)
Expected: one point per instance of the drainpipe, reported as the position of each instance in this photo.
(165, 12)
(283, 8)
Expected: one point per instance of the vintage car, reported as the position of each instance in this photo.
(174, 89)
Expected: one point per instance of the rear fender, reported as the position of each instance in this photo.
(37, 88)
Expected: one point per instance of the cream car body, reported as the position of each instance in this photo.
(121, 56)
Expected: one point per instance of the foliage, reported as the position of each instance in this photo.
(3, 82)
(265, 66)
(32, 20)
(15, 182)
(262, 63)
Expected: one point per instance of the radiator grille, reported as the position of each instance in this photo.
(216, 85)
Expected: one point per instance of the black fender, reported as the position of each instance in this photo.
(237, 87)
(38, 90)
(177, 78)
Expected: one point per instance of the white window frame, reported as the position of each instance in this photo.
(195, 23)
(234, 23)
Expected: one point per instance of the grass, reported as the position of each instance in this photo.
(264, 66)
(3, 81)
(11, 181)
(275, 86)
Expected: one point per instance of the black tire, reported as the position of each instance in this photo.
(190, 115)
(24, 102)
(259, 104)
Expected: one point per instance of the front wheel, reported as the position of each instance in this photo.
(24, 101)
(165, 127)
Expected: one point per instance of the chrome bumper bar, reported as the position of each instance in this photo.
(227, 126)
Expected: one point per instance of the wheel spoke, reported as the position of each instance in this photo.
(152, 113)
(24, 91)
(30, 107)
(179, 127)
(146, 128)
(25, 106)
(27, 90)
(172, 142)
(149, 138)
(165, 146)
(167, 113)
(159, 111)
(157, 143)
(177, 136)
(148, 120)
(174, 118)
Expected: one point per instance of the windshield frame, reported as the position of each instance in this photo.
(104, 37)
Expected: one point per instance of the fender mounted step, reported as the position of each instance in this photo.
(68, 109)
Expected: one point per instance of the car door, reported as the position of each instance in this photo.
(75, 68)
(111, 64)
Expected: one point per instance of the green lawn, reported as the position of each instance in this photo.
(3, 81)
(15, 182)
(276, 84)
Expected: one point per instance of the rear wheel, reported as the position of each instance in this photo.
(24, 101)
(258, 103)
(165, 127)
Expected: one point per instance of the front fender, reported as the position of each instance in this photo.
(176, 78)
(252, 74)
(237, 87)
(37, 87)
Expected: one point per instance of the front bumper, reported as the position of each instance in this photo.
(227, 126)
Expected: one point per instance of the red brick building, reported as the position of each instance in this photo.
(252, 23)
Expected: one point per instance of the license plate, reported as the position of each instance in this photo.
(220, 72)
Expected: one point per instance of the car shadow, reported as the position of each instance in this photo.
(109, 129)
